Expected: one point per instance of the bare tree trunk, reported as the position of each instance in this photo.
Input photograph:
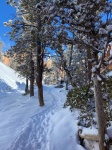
(40, 94)
(67, 84)
(26, 87)
(40, 72)
(32, 78)
(31, 87)
(57, 76)
(100, 113)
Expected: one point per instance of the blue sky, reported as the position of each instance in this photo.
(6, 12)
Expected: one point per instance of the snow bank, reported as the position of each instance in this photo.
(10, 77)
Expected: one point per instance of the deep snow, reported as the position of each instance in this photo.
(24, 125)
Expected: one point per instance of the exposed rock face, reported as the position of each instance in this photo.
(6, 60)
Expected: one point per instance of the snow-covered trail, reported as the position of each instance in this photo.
(37, 133)
(34, 135)
(24, 125)
(43, 131)
(15, 111)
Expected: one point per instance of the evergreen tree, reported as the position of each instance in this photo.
(94, 35)
(29, 29)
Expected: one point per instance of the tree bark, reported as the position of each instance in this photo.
(32, 78)
(100, 113)
(31, 87)
(101, 117)
(66, 81)
(40, 94)
(39, 72)
(67, 84)
(26, 87)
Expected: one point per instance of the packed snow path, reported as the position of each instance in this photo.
(24, 125)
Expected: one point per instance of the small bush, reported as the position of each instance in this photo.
(82, 99)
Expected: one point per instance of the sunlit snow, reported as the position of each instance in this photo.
(24, 125)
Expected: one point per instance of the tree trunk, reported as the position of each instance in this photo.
(100, 113)
(31, 87)
(89, 66)
(40, 94)
(40, 91)
(40, 87)
(99, 105)
(40, 72)
(32, 78)
(67, 85)
(66, 81)
(26, 87)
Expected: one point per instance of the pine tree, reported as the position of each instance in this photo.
(94, 35)
(29, 29)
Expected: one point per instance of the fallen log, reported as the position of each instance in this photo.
(91, 137)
